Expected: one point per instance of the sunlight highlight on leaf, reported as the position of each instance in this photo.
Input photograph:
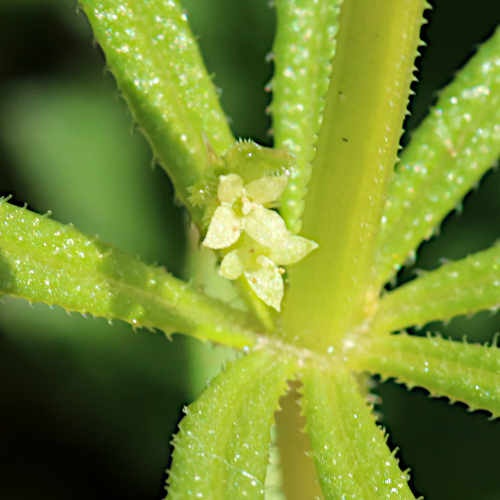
(303, 49)
(350, 451)
(448, 154)
(469, 373)
(159, 70)
(222, 448)
(42, 260)
(462, 287)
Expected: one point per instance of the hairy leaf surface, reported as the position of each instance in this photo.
(462, 287)
(448, 154)
(157, 65)
(303, 49)
(222, 448)
(350, 451)
(469, 373)
(42, 260)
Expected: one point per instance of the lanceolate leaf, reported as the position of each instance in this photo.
(222, 448)
(463, 287)
(350, 451)
(42, 260)
(469, 373)
(448, 154)
(155, 60)
(303, 48)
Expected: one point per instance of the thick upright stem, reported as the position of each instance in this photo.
(299, 472)
(331, 291)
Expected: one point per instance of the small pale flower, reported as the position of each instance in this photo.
(267, 243)
(260, 266)
(243, 208)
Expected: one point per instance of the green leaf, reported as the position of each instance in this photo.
(42, 260)
(448, 154)
(463, 287)
(469, 373)
(350, 451)
(222, 448)
(357, 146)
(303, 49)
(100, 186)
(155, 60)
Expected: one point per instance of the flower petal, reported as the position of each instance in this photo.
(267, 189)
(291, 250)
(230, 188)
(233, 264)
(265, 226)
(224, 229)
(267, 283)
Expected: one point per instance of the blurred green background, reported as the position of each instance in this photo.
(87, 409)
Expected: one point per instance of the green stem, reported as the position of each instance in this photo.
(366, 103)
(299, 472)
